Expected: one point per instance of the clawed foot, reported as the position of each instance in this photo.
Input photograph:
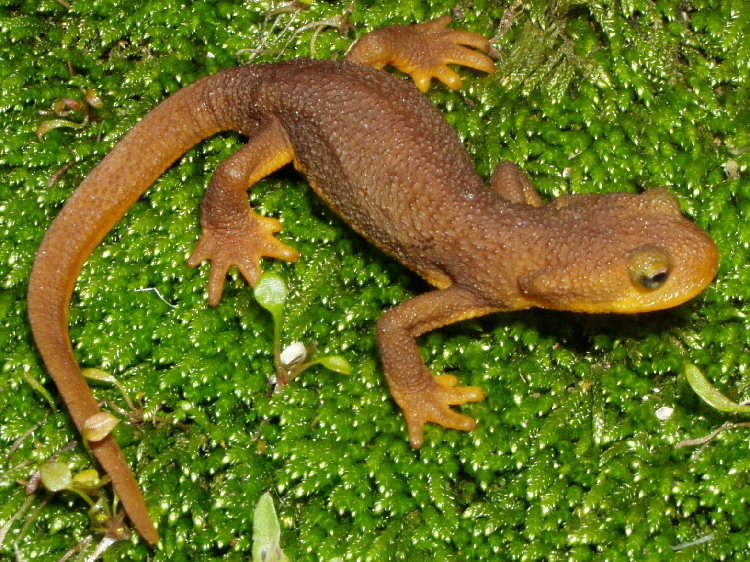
(431, 405)
(449, 46)
(424, 51)
(243, 247)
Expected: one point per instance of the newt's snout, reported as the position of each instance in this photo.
(622, 253)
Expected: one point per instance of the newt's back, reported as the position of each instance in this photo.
(376, 150)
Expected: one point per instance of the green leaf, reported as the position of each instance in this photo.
(335, 363)
(88, 480)
(55, 476)
(103, 376)
(98, 426)
(266, 532)
(271, 292)
(40, 389)
(98, 375)
(710, 394)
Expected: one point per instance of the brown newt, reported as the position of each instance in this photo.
(384, 158)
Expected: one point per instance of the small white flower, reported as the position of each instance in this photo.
(293, 354)
(664, 413)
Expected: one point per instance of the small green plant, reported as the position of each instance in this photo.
(56, 477)
(271, 293)
(710, 394)
(98, 375)
(267, 532)
(70, 108)
(281, 32)
(36, 385)
(135, 413)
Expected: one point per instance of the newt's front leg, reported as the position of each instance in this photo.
(422, 396)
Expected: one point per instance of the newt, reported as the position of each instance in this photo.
(384, 159)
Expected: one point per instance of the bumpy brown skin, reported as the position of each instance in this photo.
(387, 162)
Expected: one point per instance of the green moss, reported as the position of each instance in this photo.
(569, 461)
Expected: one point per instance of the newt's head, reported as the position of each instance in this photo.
(621, 253)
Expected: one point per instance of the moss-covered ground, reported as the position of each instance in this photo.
(570, 460)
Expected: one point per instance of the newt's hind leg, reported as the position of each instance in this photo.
(234, 234)
(424, 51)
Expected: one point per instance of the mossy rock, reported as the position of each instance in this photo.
(570, 460)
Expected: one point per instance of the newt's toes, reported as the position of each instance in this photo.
(432, 405)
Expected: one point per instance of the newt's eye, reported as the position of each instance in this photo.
(649, 268)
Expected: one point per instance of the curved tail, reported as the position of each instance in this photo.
(198, 111)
